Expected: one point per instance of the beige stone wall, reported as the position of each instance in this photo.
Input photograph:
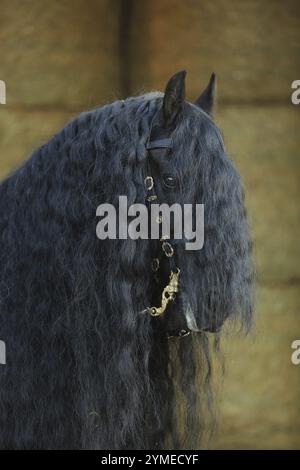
(61, 57)
(252, 45)
(58, 58)
(261, 402)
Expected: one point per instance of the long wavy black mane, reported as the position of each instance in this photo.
(84, 369)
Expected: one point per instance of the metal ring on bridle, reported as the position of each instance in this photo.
(168, 249)
(179, 334)
(155, 264)
(149, 183)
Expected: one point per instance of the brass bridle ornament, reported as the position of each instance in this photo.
(168, 295)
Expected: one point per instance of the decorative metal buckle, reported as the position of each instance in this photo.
(149, 183)
(169, 294)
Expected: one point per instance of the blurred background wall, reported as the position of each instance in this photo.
(59, 58)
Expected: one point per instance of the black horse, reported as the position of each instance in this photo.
(101, 350)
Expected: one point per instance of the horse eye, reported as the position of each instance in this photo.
(169, 182)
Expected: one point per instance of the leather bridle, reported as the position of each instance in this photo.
(167, 245)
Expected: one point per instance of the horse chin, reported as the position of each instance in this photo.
(191, 320)
(200, 325)
(180, 316)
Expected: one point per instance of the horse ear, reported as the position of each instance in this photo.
(174, 97)
(206, 100)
